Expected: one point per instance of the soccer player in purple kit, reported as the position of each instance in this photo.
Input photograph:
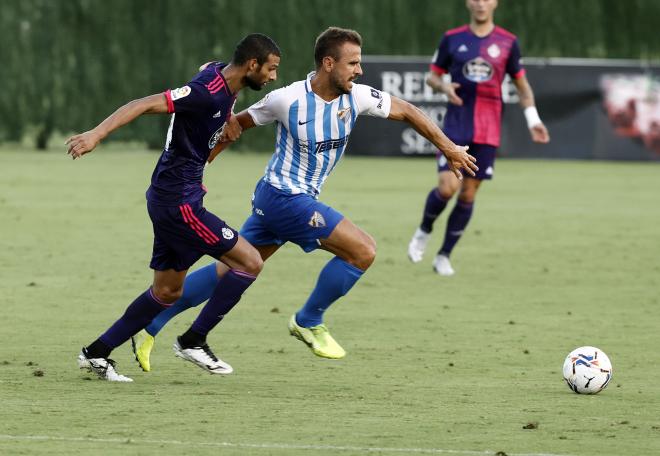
(184, 230)
(477, 57)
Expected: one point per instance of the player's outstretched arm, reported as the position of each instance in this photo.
(536, 128)
(84, 143)
(457, 156)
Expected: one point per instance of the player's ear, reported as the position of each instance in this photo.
(252, 65)
(328, 63)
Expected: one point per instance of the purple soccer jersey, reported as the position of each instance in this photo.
(200, 110)
(479, 65)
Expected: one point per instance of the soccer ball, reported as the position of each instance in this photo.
(587, 370)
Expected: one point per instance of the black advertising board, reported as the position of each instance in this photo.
(594, 109)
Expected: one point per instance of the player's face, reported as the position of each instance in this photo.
(481, 11)
(347, 68)
(260, 75)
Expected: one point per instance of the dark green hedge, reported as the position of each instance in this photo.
(66, 64)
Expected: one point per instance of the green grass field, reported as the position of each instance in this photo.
(558, 255)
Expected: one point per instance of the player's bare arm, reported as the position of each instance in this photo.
(536, 128)
(457, 156)
(84, 143)
(449, 88)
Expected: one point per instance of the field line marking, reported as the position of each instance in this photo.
(265, 446)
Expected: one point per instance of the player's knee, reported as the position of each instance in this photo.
(467, 197)
(168, 294)
(446, 192)
(365, 254)
(252, 263)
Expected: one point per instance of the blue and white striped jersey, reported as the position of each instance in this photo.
(311, 133)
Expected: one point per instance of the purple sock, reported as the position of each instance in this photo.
(434, 206)
(137, 316)
(458, 220)
(227, 293)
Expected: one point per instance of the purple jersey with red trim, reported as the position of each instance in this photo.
(479, 65)
(200, 110)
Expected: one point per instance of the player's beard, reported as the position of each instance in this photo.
(338, 86)
(252, 83)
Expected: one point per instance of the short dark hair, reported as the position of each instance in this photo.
(255, 46)
(329, 42)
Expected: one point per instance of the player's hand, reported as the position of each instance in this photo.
(82, 144)
(232, 130)
(540, 134)
(450, 91)
(458, 158)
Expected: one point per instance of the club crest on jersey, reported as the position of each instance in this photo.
(179, 93)
(317, 220)
(494, 51)
(215, 137)
(227, 234)
(462, 48)
(478, 70)
(342, 113)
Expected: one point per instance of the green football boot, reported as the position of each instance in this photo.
(142, 344)
(318, 339)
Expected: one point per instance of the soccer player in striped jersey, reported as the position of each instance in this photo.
(477, 57)
(183, 229)
(314, 119)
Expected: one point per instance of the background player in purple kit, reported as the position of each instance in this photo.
(184, 230)
(477, 57)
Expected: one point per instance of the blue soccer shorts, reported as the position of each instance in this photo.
(185, 233)
(278, 217)
(485, 155)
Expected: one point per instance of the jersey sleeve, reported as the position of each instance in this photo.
(371, 102)
(513, 65)
(192, 97)
(268, 109)
(442, 58)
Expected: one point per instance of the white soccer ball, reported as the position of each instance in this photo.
(587, 370)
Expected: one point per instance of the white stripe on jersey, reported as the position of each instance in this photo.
(312, 133)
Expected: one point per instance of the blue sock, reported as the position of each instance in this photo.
(225, 296)
(137, 316)
(336, 278)
(435, 204)
(197, 288)
(456, 224)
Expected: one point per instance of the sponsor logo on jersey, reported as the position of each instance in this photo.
(215, 137)
(494, 51)
(330, 144)
(179, 93)
(303, 122)
(462, 48)
(227, 233)
(478, 70)
(217, 114)
(376, 94)
(317, 220)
